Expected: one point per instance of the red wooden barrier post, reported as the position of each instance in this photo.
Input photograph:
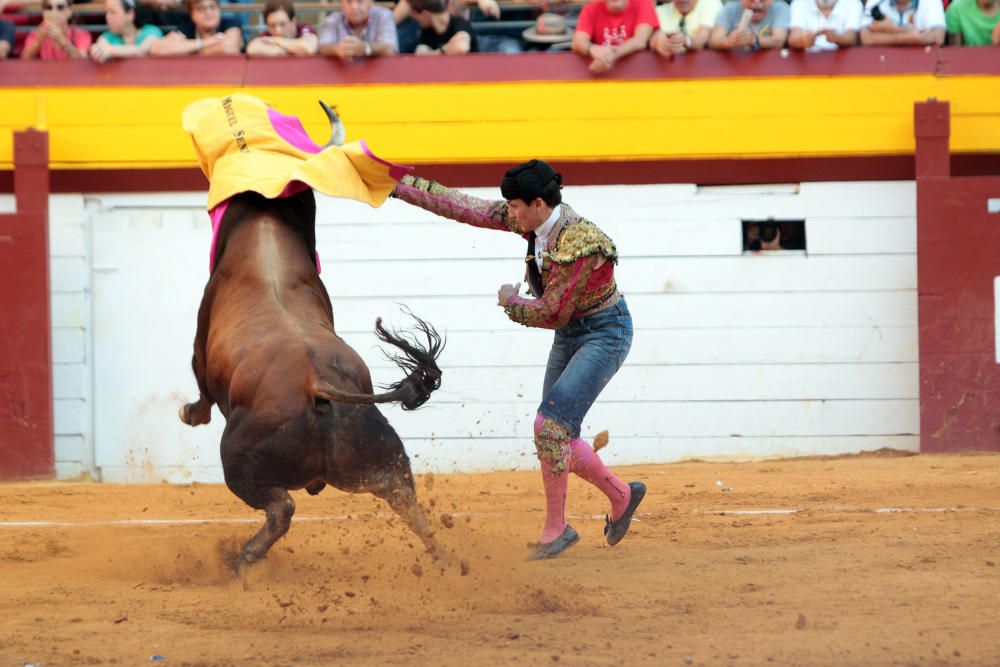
(958, 258)
(26, 422)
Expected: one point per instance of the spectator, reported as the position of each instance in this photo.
(6, 39)
(55, 38)
(685, 25)
(442, 32)
(409, 30)
(903, 23)
(284, 35)
(609, 30)
(209, 35)
(972, 22)
(824, 25)
(165, 14)
(122, 38)
(996, 35)
(359, 30)
(750, 25)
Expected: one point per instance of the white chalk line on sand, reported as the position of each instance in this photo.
(383, 517)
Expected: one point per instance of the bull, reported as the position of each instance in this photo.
(298, 400)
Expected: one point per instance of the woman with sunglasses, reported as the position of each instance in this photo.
(55, 38)
(123, 39)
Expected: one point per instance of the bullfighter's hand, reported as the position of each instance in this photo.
(506, 292)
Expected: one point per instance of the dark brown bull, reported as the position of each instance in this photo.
(297, 399)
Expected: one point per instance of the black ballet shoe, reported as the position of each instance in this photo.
(544, 550)
(615, 530)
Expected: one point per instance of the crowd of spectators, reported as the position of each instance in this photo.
(603, 31)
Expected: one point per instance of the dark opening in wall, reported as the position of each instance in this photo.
(771, 234)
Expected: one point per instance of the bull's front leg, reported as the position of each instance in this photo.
(200, 412)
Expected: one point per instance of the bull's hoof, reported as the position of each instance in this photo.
(243, 563)
(194, 414)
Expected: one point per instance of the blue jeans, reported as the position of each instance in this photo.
(585, 355)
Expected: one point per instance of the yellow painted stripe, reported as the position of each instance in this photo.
(578, 120)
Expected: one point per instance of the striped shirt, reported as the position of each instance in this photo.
(381, 27)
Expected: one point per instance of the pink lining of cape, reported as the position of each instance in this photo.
(290, 129)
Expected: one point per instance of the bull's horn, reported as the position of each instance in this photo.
(337, 132)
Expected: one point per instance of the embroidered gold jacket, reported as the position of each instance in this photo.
(577, 272)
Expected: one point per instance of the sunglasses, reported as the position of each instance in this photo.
(54, 8)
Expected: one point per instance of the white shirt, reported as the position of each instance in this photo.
(845, 16)
(542, 235)
(919, 15)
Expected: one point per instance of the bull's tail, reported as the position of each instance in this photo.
(418, 360)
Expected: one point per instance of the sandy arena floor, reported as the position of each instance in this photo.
(878, 560)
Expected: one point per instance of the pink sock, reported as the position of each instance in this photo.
(554, 459)
(556, 484)
(587, 464)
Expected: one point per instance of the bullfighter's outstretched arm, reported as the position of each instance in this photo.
(450, 203)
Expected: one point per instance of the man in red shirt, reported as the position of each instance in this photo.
(609, 30)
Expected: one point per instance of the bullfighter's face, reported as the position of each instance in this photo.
(280, 25)
(759, 8)
(529, 215)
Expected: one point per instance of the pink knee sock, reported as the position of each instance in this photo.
(555, 479)
(555, 484)
(587, 464)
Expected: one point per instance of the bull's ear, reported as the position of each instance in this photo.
(337, 132)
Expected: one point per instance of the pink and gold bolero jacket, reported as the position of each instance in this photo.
(577, 276)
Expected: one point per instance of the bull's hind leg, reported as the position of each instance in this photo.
(403, 500)
(279, 507)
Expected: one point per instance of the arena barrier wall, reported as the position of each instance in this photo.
(737, 355)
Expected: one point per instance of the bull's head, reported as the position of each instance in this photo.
(337, 132)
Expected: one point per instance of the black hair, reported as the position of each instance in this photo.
(533, 179)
